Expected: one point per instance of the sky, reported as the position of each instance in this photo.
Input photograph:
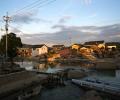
(62, 21)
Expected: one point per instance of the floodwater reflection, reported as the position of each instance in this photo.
(47, 67)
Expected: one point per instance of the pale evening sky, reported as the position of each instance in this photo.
(58, 21)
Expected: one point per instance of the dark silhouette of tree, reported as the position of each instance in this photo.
(13, 42)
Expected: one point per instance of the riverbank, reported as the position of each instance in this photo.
(15, 84)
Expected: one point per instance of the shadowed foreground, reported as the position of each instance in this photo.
(68, 92)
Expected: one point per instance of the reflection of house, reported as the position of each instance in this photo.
(57, 48)
(76, 46)
(25, 51)
(39, 50)
(99, 44)
(54, 56)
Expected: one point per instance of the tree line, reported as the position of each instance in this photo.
(13, 42)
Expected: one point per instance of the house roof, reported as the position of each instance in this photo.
(26, 46)
(93, 42)
(112, 43)
(87, 46)
(32, 46)
(38, 46)
(78, 44)
(58, 46)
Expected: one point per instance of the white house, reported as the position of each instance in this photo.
(111, 45)
(38, 50)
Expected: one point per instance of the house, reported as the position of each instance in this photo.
(57, 48)
(25, 51)
(86, 49)
(38, 50)
(99, 44)
(76, 46)
(111, 45)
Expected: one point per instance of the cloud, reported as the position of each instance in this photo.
(64, 19)
(93, 15)
(28, 17)
(15, 30)
(76, 34)
(87, 2)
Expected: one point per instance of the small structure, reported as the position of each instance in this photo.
(38, 50)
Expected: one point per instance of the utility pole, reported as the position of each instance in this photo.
(6, 19)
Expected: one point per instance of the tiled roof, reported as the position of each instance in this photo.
(32, 46)
(58, 46)
(37, 46)
(93, 42)
(112, 43)
(78, 44)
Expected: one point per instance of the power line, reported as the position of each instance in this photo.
(36, 5)
(39, 6)
(32, 6)
(27, 6)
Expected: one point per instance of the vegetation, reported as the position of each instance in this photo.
(13, 42)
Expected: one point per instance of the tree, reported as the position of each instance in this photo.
(13, 43)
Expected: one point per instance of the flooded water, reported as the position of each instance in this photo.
(113, 75)
(48, 67)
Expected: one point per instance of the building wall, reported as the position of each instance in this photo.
(35, 51)
(39, 51)
(110, 47)
(86, 50)
(75, 47)
(101, 46)
(43, 50)
(24, 52)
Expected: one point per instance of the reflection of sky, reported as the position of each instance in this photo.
(26, 65)
(53, 70)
